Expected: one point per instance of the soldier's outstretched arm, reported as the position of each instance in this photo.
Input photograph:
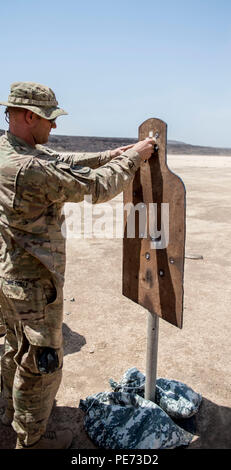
(93, 159)
(71, 184)
(39, 184)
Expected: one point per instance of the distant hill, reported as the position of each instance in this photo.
(64, 143)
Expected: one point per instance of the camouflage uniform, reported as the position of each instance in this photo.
(2, 326)
(34, 185)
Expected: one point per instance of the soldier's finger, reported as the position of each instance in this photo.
(126, 147)
(150, 141)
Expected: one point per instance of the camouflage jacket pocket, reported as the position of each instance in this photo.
(75, 170)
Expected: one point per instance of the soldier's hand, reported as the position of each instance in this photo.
(118, 151)
(145, 148)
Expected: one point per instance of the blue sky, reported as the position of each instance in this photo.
(113, 64)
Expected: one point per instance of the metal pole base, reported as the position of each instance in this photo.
(151, 358)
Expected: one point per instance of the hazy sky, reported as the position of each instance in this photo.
(113, 64)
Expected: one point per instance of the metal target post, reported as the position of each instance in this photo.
(152, 345)
(151, 355)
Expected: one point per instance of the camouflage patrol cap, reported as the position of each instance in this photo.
(36, 97)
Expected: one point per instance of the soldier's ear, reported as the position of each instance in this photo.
(28, 116)
(31, 118)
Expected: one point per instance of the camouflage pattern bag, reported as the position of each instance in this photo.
(174, 397)
(123, 419)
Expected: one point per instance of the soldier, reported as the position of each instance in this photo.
(35, 182)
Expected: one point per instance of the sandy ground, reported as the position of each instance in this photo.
(105, 333)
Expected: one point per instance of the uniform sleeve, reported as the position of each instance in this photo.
(89, 159)
(69, 183)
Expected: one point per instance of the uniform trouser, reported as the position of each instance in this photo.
(29, 391)
(2, 326)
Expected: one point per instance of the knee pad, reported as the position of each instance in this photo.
(47, 360)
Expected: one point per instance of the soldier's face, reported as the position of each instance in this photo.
(42, 130)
